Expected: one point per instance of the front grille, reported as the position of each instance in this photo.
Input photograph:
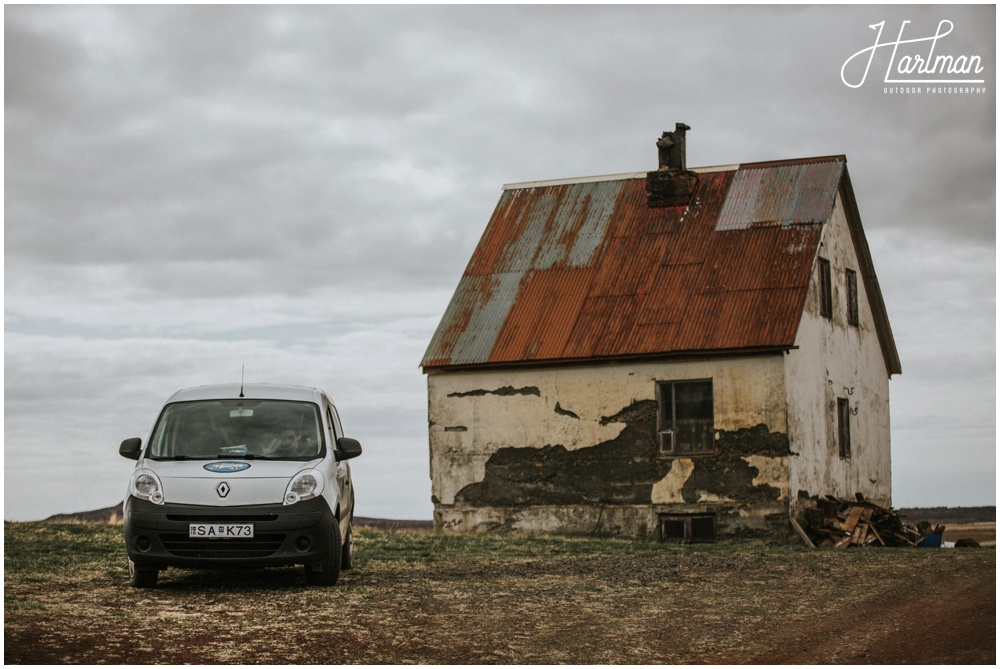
(263, 545)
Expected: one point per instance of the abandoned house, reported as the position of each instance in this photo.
(683, 354)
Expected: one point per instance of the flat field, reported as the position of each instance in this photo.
(420, 597)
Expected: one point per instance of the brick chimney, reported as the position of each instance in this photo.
(672, 184)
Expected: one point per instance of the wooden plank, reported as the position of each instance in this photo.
(852, 518)
(859, 534)
(861, 529)
(801, 532)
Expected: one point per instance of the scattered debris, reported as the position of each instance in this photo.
(842, 523)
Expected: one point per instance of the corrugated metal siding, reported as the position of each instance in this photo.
(588, 270)
(539, 325)
(578, 226)
(783, 195)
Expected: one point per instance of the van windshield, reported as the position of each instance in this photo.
(243, 428)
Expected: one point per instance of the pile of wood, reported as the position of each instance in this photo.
(841, 523)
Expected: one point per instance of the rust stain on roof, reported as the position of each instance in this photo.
(580, 271)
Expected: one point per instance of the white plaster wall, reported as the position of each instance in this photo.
(466, 430)
(834, 359)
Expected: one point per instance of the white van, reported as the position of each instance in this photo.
(241, 476)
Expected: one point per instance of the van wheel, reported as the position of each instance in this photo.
(141, 578)
(347, 555)
(327, 573)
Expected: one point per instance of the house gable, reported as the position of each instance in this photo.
(837, 385)
(867, 268)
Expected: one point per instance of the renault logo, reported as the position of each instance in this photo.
(222, 489)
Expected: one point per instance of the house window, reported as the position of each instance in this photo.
(825, 289)
(852, 297)
(686, 419)
(687, 529)
(844, 427)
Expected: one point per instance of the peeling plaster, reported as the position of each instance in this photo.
(668, 489)
(630, 469)
(506, 391)
(529, 463)
(565, 412)
(703, 496)
(771, 472)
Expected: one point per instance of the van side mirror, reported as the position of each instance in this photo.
(130, 448)
(347, 448)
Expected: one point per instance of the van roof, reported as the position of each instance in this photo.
(259, 391)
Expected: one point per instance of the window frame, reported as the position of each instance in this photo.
(844, 427)
(666, 430)
(853, 317)
(705, 532)
(825, 288)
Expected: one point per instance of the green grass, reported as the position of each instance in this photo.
(34, 551)
(412, 546)
(37, 551)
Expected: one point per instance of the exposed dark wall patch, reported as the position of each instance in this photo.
(622, 470)
(643, 411)
(456, 428)
(726, 474)
(565, 412)
(768, 528)
(506, 391)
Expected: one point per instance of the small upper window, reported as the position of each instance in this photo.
(825, 289)
(852, 297)
(844, 426)
(686, 421)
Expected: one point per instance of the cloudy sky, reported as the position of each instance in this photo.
(189, 190)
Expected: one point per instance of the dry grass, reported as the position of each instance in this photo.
(984, 533)
(419, 597)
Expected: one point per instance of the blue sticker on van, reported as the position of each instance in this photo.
(227, 467)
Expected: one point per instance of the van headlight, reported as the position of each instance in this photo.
(306, 484)
(146, 485)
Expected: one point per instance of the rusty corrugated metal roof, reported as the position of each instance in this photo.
(586, 270)
(782, 194)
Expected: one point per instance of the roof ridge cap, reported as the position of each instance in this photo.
(622, 176)
(795, 161)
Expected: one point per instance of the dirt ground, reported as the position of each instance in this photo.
(938, 618)
(697, 606)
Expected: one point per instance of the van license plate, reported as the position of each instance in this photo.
(220, 531)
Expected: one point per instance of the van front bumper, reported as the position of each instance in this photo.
(157, 535)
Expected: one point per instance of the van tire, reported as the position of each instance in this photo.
(141, 578)
(327, 573)
(347, 555)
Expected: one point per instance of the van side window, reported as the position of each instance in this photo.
(336, 422)
(331, 429)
